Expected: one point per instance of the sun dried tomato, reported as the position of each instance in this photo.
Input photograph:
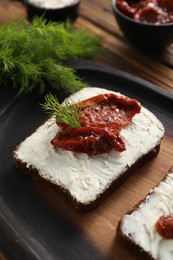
(148, 11)
(109, 110)
(101, 118)
(164, 226)
(90, 140)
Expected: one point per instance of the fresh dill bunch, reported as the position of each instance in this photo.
(67, 113)
(32, 54)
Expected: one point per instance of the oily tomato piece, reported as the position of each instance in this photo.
(147, 11)
(167, 4)
(164, 226)
(126, 8)
(101, 119)
(90, 140)
(108, 110)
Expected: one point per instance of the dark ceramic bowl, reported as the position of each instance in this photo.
(51, 14)
(145, 36)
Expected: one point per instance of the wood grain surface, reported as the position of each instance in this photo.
(97, 16)
(100, 224)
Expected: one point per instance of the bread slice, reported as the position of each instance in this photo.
(86, 180)
(137, 230)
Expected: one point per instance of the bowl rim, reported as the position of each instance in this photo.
(27, 2)
(131, 20)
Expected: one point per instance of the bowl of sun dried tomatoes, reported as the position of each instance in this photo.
(148, 24)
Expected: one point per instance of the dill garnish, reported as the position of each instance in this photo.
(67, 113)
(31, 54)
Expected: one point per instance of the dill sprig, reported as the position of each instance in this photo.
(31, 54)
(67, 113)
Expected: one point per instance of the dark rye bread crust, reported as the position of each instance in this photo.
(125, 241)
(110, 188)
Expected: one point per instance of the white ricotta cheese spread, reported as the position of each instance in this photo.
(53, 4)
(140, 225)
(87, 176)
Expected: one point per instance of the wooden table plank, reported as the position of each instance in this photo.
(98, 17)
(155, 68)
(10, 10)
(132, 61)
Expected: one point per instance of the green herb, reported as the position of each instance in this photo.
(67, 113)
(31, 54)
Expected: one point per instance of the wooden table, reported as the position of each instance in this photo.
(97, 16)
